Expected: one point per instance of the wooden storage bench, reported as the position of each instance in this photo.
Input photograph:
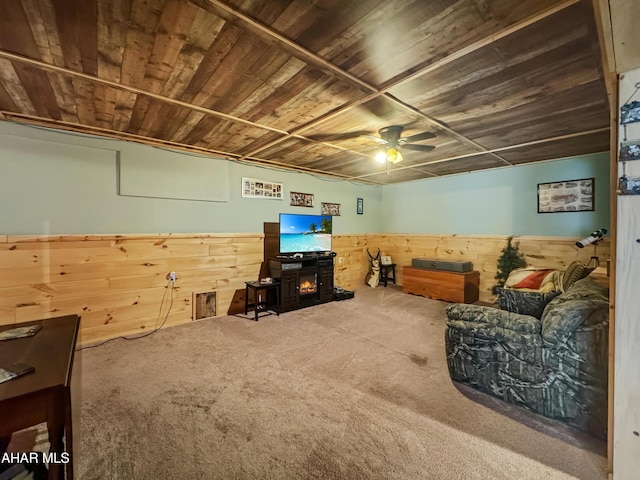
(442, 285)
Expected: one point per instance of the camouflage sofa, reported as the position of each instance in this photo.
(555, 365)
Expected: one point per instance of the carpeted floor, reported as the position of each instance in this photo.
(357, 389)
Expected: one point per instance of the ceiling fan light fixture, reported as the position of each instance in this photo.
(381, 156)
(393, 155)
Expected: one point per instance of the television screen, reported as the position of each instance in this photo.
(305, 233)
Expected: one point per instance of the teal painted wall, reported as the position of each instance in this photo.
(59, 183)
(496, 202)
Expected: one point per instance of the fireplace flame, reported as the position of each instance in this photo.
(307, 287)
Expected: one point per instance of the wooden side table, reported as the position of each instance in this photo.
(384, 273)
(260, 297)
(45, 394)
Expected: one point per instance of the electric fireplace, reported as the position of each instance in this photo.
(308, 284)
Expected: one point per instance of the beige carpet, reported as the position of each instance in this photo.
(357, 389)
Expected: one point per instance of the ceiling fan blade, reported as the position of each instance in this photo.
(325, 137)
(419, 136)
(418, 148)
(381, 141)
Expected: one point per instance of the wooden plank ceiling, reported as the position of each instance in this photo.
(297, 83)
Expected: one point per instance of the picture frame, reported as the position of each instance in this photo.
(332, 209)
(567, 196)
(359, 206)
(630, 150)
(255, 188)
(298, 199)
(204, 305)
(630, 113)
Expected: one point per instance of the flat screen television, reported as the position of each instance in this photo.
(304, 233)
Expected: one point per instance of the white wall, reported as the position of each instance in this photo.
(61, 183)
(626, 408)
(496, 202)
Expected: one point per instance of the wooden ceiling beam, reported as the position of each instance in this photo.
(496, 150)
(607, 51)
(307, 55)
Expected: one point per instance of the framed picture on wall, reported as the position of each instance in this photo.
(254, 188)
(568, 196)
(332, 209)
(360, 206)
(301, 199)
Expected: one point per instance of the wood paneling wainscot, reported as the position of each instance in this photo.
(117, 282)
(483, 252)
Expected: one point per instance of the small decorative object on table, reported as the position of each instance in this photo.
(20, 332)
(13, 371)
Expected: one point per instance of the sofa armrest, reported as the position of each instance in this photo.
(478, 314)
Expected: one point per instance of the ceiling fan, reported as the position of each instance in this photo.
(392, 140)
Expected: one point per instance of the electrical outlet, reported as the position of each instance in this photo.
(340, 260)
(171, 276)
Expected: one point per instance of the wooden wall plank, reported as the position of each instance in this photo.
(117, 282)
(483, 251)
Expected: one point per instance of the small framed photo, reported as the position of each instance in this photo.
(568, 196)
(204, 305)
(360, 206)
(254, 188)
(332, 209)
(630, 113)
(301, 199)
(630, 150)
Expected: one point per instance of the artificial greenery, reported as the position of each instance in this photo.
(510, 259)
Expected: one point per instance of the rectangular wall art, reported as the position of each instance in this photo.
(254, 188)
(332, 209)
(301, 199)
(567, 196)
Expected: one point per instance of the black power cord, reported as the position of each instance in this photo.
(155, 328)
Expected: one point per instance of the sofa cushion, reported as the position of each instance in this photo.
(584, 303)
(524, 302)
(574, 272)
(479, 315)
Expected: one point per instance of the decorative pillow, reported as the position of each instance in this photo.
(549, 283)
(525, 303)
(533, 280)
(575, 271)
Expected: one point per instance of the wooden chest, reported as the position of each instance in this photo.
(441, 285)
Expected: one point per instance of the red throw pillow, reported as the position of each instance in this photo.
(534, 280)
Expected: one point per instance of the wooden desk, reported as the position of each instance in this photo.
(44, 395)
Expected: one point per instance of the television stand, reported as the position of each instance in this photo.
(304, 281)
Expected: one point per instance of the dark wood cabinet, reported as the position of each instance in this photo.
(326, 284)
(303, 281)
(288, 290)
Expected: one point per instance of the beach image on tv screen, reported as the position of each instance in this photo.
(305, 233)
